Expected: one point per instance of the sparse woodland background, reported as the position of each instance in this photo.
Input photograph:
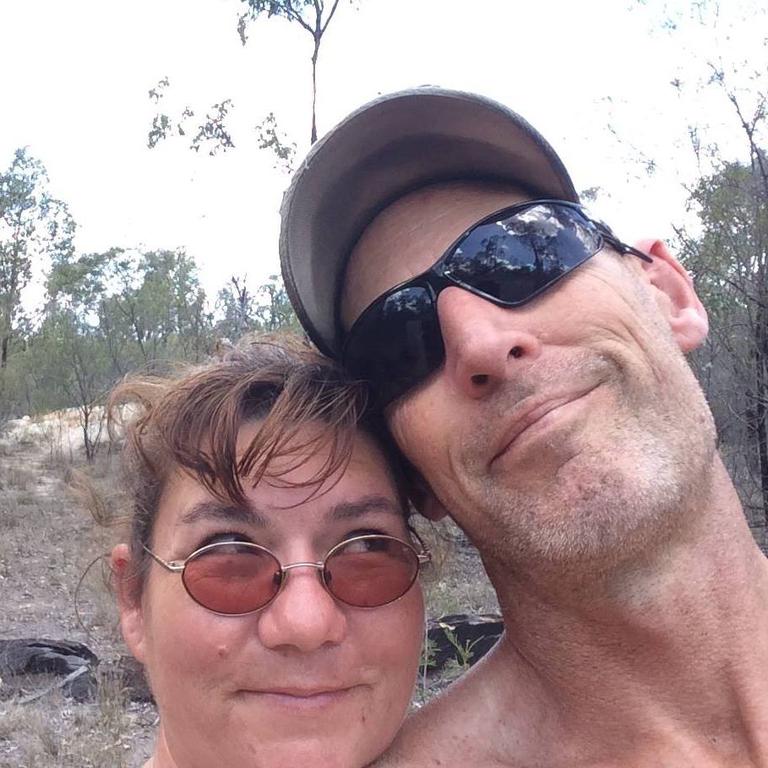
(97, 316)
(73, 323)
(92, 318)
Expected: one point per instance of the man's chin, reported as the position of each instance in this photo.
(594, 514)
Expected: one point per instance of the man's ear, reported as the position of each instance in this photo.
(127, 589)
(684, 312)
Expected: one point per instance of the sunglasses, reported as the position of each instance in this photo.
(508, 258)
(239, 577)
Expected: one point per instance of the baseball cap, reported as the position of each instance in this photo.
(385, 149)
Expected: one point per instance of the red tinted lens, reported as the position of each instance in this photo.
(232, 577)
(370, 571)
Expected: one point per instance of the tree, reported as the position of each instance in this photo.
(151, 303)
(274, 309)
(71, 369)
(237, 308)
(242, 311)
(729, 260)
(310, 15)
(34, 227)
(725, 244)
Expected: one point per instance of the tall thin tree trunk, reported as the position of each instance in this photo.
(313, 137)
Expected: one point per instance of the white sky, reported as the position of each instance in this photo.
(75, 76)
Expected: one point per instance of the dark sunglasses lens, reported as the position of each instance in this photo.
(514, 259)
(396, 343)
(232, 578)
(371, 571)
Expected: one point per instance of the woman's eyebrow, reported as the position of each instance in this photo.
(212, 510)
(349, 510)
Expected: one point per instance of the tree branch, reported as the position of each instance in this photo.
(330, 16)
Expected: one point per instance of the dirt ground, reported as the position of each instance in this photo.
(47, 542)
(49, 545)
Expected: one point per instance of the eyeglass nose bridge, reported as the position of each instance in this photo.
(320, 565)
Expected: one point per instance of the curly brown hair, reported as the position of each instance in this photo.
(190, 420)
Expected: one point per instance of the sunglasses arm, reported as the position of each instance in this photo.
(621, 247)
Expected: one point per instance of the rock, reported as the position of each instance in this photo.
(81, 687)
(36, 655)
(74, 662)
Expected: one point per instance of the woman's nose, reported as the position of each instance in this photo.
(484, 344)
(303, 616)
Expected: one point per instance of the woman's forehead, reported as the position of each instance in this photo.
(411, 234)
(364, 483)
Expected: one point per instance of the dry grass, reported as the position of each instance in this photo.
(46, 544)
(54, 732)
(456, 581)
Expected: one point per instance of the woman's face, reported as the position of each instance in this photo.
(306, 680)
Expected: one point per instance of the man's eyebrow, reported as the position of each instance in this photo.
(349, 510)
(213, 510)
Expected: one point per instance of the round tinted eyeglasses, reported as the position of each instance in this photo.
(508, 258)
(239, 577)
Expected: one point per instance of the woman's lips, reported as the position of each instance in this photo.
(304, 699)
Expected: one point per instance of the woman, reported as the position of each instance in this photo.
(269, 584)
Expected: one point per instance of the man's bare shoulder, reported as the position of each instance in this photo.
(460, 727)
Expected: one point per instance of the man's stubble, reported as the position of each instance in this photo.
(609, 492)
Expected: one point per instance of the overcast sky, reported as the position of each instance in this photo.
(75, 76)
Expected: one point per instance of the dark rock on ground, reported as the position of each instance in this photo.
(31, 656)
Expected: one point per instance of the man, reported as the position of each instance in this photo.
(534, 378)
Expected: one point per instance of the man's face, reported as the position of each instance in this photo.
(566, 430)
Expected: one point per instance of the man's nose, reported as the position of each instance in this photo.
(304, 616)
(484, 344)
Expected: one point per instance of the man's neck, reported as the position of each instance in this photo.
(659, 659)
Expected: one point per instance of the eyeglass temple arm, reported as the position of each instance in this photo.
(425, 556)
(173, 565)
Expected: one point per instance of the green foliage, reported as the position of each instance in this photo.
(211, 133)
(103, 314)
(269, 137)
(292, 10)
(268, 309)
(729, 261)
(464, 651)
(34, 228)
(313, 16)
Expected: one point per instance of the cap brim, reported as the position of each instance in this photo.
(388, 147)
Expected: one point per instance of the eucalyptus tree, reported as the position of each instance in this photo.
(312, 17)
(35, 228)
